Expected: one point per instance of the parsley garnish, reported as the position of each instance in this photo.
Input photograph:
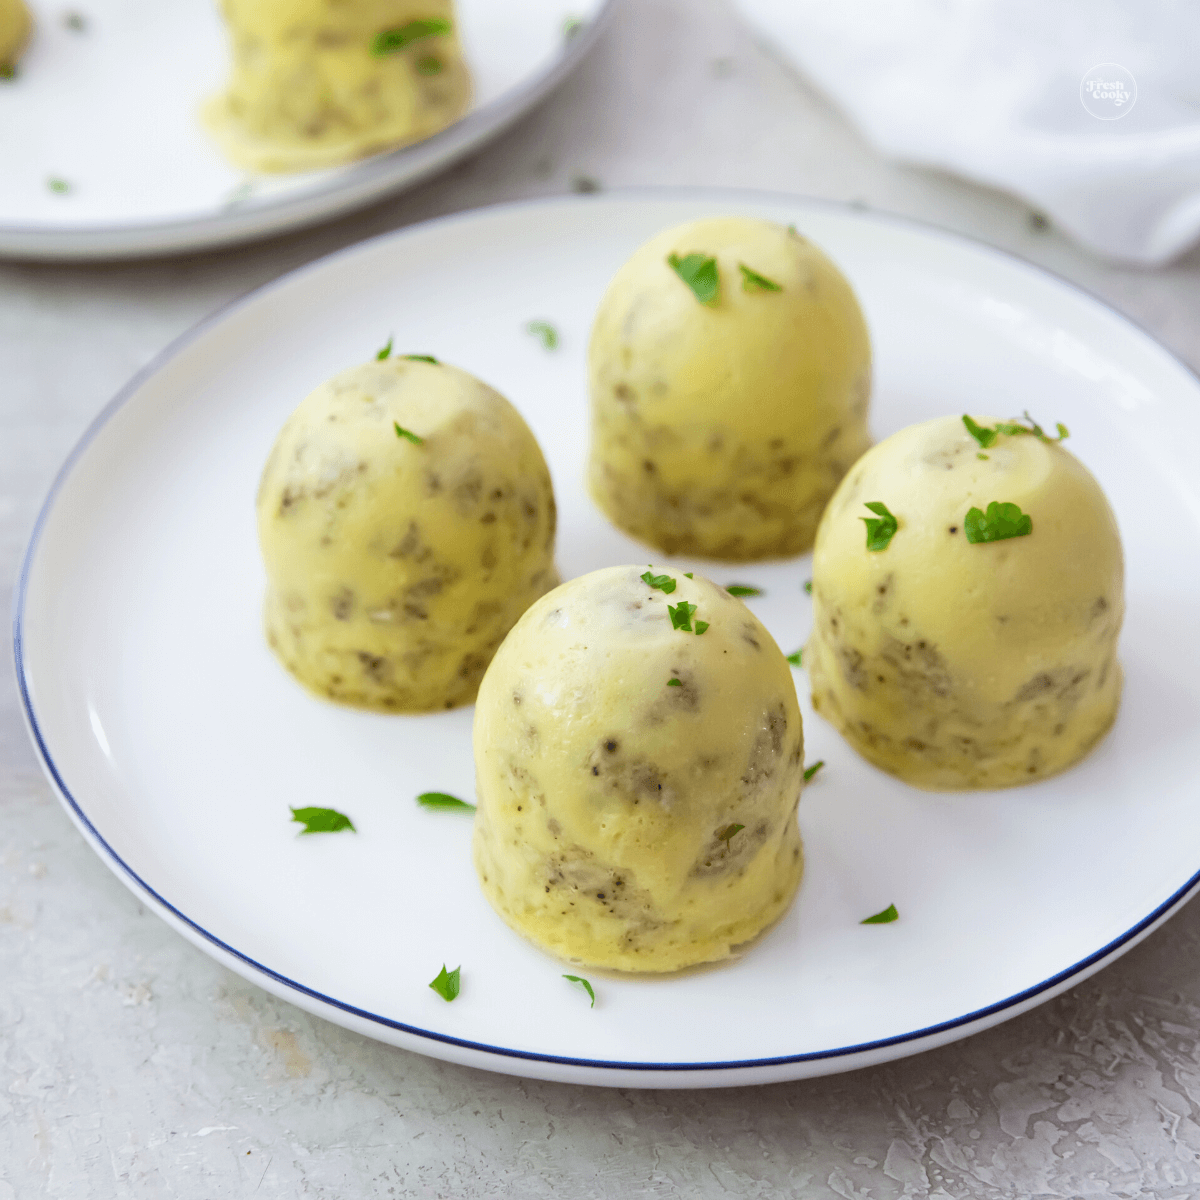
(886, 917)
(545, 331)
(984, 436)
(808, 587)
(753, 281)
(674, 683)
(583, 983)
(809, 772)
(429, 65)
(880, 529)
(321, 820)
(687, 575)
(390, 40)
(699, 272)
(795, 656)
(59, 186)
(681, 615)
(443, 801)
(725, 834)
(386, 352)
(421, 358)
(448, 983)
(1001, 521)
(980, 454)
(701, 626)
(664, 583)
(744, 589)
(407, 433)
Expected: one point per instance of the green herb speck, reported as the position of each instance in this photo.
(401, 432)
(388, 41)
(386, 352)
(1000, 522)
(880, 529)
(443, 801)
(663, 583)
(321, 820)
(744, 589)
(752, 281)
(583, 983)
(699, 272)
(796, 657)
(448, 983)
(545, 331)
(886, 917)
(725, 834)
(809, 772)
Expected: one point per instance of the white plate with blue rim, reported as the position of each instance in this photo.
(178, 744)
(105, 156)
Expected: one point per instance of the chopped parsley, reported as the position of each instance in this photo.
(687, 575)
(980, 454)
(752, 281)
(386, 352)
(1001, 521)
(701, 626)
(408, 433)
(388, 41)
(744, 589)
(674, 683)
(808, 587)
(699, 272)
(880, 529)
(583, 983)
(886, 917)
(681, 615)
(984, 436)
(321, 820)
(448, 983)
(725, 834)
(796, 656)
(664, 583)
(545, 331)
(809, 772)
(444, 802)
(60, 187)
(421, 358)
(429, 65)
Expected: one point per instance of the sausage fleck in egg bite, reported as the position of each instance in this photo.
(730, 374)
(966, 636)
(406, 519)
(639, 760)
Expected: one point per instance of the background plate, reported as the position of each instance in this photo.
(177, 743)
(111, 110)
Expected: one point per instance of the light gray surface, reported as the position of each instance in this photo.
(131, 1065)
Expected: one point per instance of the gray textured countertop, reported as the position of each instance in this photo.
(132, 1065)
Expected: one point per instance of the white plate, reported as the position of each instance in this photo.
(111, 111)
(177, 743)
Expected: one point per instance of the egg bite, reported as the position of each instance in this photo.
(968, 591)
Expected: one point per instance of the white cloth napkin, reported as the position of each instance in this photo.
(991, 90)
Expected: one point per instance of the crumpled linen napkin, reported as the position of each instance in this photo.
(995, 90)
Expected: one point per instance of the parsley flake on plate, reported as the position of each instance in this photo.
(674, 683)
(752, 281)
(796, 656)
(744, 589)
(1000, 522)
(388, 41)
(880, 529)
(321, 820)
(386, 352)
(699, 272)
(808, 587)
(663, 583)
(421, 358)
(448, 983)
(809, 772)
(401, 432)
(60, 187)
(886, 917)
(545, 331)
(583, 983)
(443, 802)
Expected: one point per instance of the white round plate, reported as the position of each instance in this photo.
(178, 743)
(110, 112)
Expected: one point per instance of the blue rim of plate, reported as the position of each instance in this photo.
(367, 182)
(1016, 1002)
